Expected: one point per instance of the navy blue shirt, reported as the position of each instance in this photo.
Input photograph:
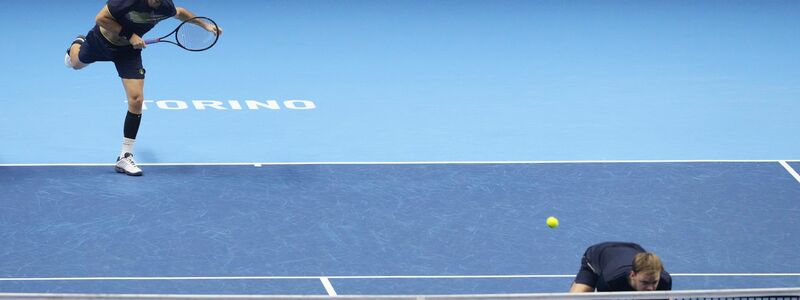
(606, 267)
(136, 16)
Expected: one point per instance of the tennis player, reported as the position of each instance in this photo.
(117, 37)
(620, 267)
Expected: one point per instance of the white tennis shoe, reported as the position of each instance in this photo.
(66, 61)
(125, 164)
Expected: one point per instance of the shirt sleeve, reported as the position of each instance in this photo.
(169, 8)
(119, 8)
(665, 284)
(586, 275)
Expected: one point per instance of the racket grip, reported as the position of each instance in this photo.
(151, 41)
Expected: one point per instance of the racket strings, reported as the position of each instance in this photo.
(194, 37)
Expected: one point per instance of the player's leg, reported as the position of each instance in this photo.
(134, 91)
(129, 67)
(72, 58)
(88, 49)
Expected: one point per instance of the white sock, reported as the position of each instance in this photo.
(127, 146)
(67, 62)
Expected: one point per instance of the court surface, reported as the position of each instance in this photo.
(406, 147)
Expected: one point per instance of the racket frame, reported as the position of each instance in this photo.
(177, 42)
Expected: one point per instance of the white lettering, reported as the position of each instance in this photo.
(299, 104)
(270, 104)
(144, 104)
(177, 104)
(201, 104)
(230, 104)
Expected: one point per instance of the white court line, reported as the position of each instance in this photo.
(397, 163)
(328, 286)
(373, 277)
(791, 171)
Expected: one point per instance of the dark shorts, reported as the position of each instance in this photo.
(127, 60)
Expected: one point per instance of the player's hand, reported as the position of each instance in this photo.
(137, 42)
(211, 28)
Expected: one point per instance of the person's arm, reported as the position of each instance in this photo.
(586, 280)
(184, 14)
(107, 21)
(580, 288)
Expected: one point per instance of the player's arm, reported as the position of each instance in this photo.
(106, 20)
(586, 279)
(184, 14)
(580, 288)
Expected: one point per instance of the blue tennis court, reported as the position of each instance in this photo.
(406, 148)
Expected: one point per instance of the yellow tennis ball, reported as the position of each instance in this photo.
(552, 222)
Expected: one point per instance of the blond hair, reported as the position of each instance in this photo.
(647, 263)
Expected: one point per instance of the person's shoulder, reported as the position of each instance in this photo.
(120, 3)
(168, 8)
(118, 8)
(665, 282)
(167, 4)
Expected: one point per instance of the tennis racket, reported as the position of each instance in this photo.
(191, 35)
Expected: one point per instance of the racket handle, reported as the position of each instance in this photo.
(151, 41)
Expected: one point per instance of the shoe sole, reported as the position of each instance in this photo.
(121, 170)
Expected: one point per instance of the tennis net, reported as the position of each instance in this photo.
(728, 294)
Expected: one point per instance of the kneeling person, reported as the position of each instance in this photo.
(619, 267)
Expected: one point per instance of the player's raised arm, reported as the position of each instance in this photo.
(184, 15)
